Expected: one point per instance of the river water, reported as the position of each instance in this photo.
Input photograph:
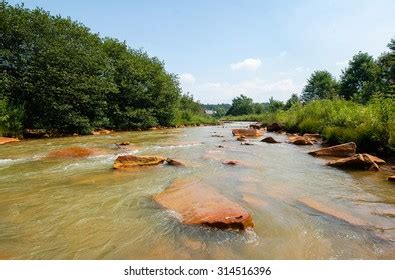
(83, 209)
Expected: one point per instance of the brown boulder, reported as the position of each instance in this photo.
(314, 137)
(247, 132)
(269, 140)
(124, 143)
(231, 162)
(343, 150)
(74, 152)
(274, 127)
(200, 204)
(391, 178)
(5, 140)
(35, 133)
(174, 162)
(299, 140)
(241, 138)
(359, 161)
(131, 161)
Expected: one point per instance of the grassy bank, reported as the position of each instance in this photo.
(371, 126)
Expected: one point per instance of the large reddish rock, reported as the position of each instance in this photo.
(74, 152)
(314, 137)
(131, 161)
(358, 161)
(343, 150)
(247, 132)
(5, 140)
(197, 203)
(299, 140)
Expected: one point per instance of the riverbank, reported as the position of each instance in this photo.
(371, 127)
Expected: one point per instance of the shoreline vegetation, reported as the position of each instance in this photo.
(59, 77)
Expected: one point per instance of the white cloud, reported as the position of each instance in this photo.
(187, 78)
(258, 89)
(302, 69)
(283, 53)
(249, 64)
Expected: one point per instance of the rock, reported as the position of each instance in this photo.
(358, 161)
(174, 162)
(5, 140)
(391, 178)
(231, 162)
(343, 150)
(74, 152)
(274, 127)
(314, 137)
(247, 143)
(101, 132)
(247, 132)
(131, 161)
(217, 135)
(241, 138)
(269, 140)
(299, 140)
(75, 134)
(35, 133)
(220, 146)
(124, 143)
(197, 203)
(257, 125)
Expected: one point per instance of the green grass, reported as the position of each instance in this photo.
(371, 127)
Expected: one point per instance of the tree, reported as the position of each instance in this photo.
(294, 99)
(275, 105)
(386, 64)
(241, 105)
(320, 85)
(359, 81)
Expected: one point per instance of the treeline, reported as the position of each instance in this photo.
(57, 75)
(358, 107)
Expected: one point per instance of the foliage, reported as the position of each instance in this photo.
(241, 105)
(67, 79)
(320, 85)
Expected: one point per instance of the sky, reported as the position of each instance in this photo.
(223, 48)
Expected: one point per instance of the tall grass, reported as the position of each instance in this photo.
(371, 126)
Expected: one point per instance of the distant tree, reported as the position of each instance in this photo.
(359, 81)
(294, 99)
(275, 105)
(320, 85)
(259, 108)
(241, 105)
(386, 64)
(220, 112)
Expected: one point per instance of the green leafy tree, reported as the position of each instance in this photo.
(386, 64)
(275, 105)
(320, 85)
(359, 81)
(241, 105)
(294, 99)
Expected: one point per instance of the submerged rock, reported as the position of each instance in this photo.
(131, 161)
(299, 140)
(174, 162)
(5, 140)
(270, 140)
(343, 150)
(74, 152)
(247, 132)
(358, 161)
(231, 162)
(257, 125)
(197, 203)
(274, 127)
(124, 143)
(391, 178)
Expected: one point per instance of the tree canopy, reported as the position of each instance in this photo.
(320, 85)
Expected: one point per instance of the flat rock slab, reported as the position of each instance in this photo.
(358, 161)
(74, 152)
(5, 140)
(131, 161)
(343, 150)
(247, 132)
(299, 140)
(200, 204)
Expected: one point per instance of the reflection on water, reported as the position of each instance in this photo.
(82, 209)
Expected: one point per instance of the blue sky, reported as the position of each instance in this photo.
(222, 48)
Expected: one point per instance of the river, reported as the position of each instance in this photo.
(83, 209)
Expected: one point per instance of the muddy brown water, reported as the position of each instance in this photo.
(83, 209)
